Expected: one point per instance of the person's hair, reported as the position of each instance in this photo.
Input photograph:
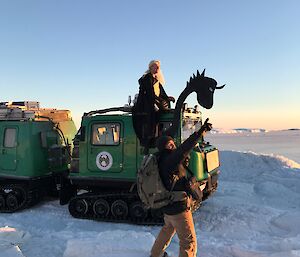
(154, 62)
(162, 142)
(159, 75)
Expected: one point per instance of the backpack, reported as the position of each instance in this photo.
(150, 188)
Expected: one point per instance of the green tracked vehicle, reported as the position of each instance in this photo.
(34, 145)
(107, 155)
(105, 160)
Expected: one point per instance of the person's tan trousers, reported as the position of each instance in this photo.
(183, 224)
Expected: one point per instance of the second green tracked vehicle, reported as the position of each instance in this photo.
(34, 145)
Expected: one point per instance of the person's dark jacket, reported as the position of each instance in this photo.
(146, 90)
(144, 116)
(171, 162)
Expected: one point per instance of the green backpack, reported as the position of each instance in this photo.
(150, 188)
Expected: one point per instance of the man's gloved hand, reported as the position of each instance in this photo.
(171, 99)
(206, 126)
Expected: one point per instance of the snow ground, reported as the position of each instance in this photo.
(284, 142)
(254, 213)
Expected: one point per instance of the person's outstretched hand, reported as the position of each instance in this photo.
(171, 99)
(206, 126)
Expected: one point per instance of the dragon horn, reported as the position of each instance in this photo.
(203, 73)
(220, 87)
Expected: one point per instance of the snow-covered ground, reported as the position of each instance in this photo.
(285, 142)
(254, 213)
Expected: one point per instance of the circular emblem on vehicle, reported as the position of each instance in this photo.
(104, 160)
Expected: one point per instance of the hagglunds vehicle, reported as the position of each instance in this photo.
(107, 155)
(34, 146)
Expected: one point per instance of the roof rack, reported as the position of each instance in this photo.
(30, 110)
(113, 109)
(24, 105)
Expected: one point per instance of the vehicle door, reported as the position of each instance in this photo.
(8, 148)
(105, 147)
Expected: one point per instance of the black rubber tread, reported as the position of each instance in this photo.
(27, 197)
(129, 198)
(17, 189)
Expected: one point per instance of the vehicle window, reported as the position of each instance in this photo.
(106, 134)
(162, 127)
(10, 137)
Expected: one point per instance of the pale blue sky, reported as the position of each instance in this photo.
(87, 55)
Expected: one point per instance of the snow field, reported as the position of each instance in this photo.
(254, 213)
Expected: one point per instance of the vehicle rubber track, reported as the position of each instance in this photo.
(113, 207)
(14, 197)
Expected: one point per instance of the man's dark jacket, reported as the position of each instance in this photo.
(171, 162)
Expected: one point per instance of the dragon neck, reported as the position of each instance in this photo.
(173, 129)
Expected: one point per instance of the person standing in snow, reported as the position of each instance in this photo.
(177, 215)
(152, 98)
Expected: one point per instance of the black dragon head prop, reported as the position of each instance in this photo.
(204, 88)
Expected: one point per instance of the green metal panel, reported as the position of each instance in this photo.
(39, 155)
(131, 149)
(106, 157)
(119, 159)
(31, 158)
(196, 165)
(125, 157)
(34, 138)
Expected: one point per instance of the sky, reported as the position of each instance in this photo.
(88, 55)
